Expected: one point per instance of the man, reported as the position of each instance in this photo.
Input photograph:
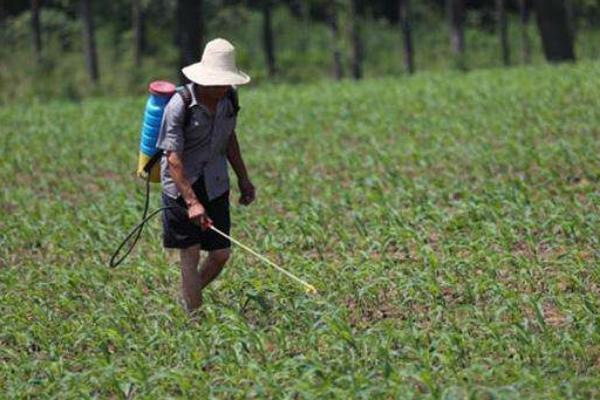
(198, 137)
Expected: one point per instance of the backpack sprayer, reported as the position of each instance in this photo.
(149, 169)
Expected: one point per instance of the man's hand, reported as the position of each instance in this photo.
(197, 214)
(247, 191)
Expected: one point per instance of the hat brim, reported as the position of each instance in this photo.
(198, 73)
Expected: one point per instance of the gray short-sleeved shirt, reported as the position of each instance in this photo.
(202, 143)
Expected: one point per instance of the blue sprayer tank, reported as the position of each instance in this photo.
(160, 93)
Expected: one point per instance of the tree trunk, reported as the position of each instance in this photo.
(555, 29)
(503, 30)
(355, 39)
(524, 12)
(304, 11)
(406, 27)
(137, 22)
(569, 4)
(334, 28)
(268, 44)
(3, 12)
(89, 41)
(36, 29)
(456, 17)
(189, 33)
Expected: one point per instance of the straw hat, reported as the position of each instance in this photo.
(217, 66)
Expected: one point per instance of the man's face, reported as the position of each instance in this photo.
(215, 92)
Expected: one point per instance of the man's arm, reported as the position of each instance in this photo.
(196, 210)
(234, 156)
(181, 181)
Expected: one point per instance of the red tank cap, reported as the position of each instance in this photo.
(162, 88)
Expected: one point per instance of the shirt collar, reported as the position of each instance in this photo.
(194, 101)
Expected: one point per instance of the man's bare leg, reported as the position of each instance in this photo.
(190, 277)
(213, 265)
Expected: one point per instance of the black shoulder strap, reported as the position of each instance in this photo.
(233, 96)
(186, 96)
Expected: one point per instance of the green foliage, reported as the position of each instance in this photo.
(450, 222)
(586, 12)
(303, 48)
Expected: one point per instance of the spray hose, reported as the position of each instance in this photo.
(137, 231)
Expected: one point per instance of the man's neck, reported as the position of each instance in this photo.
(207, 101)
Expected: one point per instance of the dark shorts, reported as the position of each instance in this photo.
(180, 233)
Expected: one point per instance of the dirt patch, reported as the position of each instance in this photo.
(433, 240)
(522, 248)
(550, 313)
(9, 207)
(400, 253)
(367, 312)
(553, 316)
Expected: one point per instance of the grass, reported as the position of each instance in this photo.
(449, 221)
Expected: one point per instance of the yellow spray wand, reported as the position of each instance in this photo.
(309, 288)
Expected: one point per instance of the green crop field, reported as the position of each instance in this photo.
(450, 222)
